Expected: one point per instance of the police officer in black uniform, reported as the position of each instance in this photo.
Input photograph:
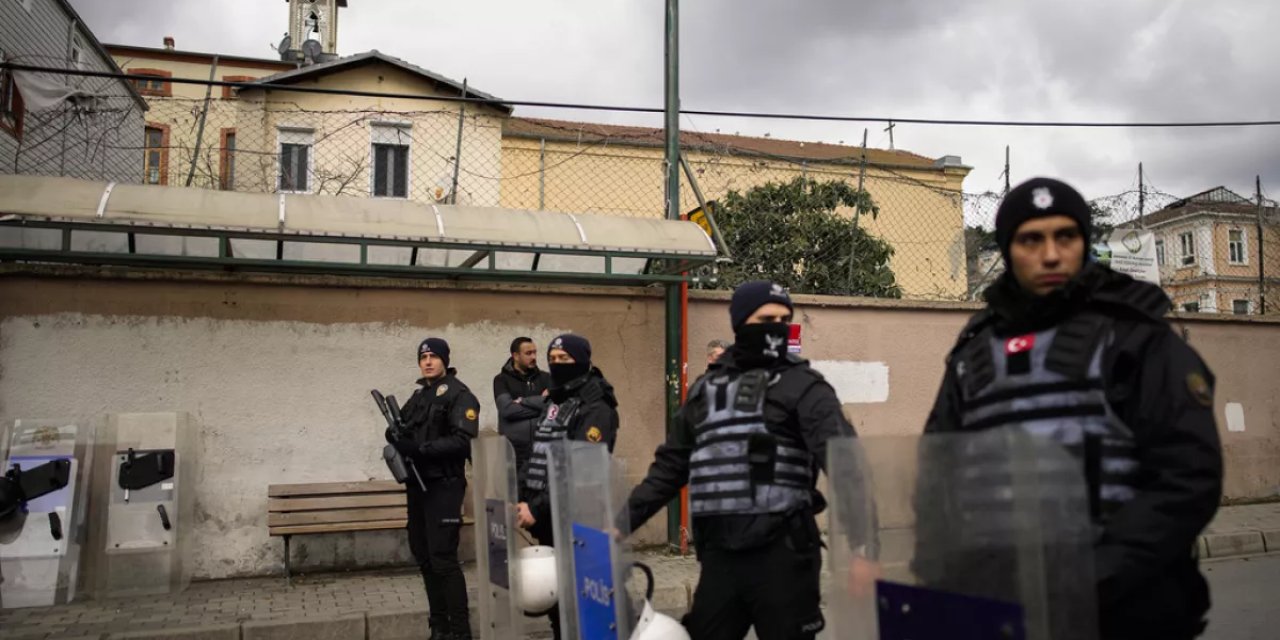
(582, 407)
(442, 418)
(749, 442)
(1070, 350)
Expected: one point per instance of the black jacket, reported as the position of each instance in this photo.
(1161, 389)
(596, 421)
(520, 403)
(443, 417)
(801, 401)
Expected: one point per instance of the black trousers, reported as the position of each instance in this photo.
(435, 519)
(774, 588)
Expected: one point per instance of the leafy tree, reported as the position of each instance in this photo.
(791, 234)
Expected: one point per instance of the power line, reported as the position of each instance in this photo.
(501, 103)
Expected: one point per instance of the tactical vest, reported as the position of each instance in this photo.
(1050, 384)
(739, 466)
(553, 427)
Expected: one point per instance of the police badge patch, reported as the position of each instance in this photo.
(593, 434)
(1199, 388)
(441, 390)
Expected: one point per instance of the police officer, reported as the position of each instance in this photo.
(749, 442)
(582, 407)
(1070, 350)
(442, 418)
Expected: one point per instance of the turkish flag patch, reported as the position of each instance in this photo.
(1017, 353)
(1020, 344)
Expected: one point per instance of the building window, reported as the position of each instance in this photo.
(156, 154)
(1160, 252)
(1240, 307)
(1235, 246)
(77, 51)
(1188, 243)
(231, 93)
(295, 160)
(1191, 307)
(12, 109)
(227, 161)
(391, 160)
(156, 82)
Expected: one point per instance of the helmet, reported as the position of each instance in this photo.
(536, 580)
(657, 626)
(653, 625)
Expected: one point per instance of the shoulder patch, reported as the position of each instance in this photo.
(1199, 388)
(472, 414)
(593, 434)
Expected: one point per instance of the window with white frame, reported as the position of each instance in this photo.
(1160, 252)
(77, 51)
(1240, 307)
(1191, 307)
(390, 150)
(1187, 240)
(295, 160)
(1236, 250)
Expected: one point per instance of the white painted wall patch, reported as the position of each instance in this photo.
(856, 382)
(1235, 416)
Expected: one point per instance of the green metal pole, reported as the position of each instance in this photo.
(673, 355)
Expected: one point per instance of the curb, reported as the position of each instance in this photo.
(1239, 543)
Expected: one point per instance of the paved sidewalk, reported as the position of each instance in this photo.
(390, 605)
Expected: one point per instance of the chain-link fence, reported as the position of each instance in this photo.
(821, 218)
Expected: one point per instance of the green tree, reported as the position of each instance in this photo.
(791, 234)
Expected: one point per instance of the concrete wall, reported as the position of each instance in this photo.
(276, 374)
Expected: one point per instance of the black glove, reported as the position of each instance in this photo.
(406, 446)
(390, 435)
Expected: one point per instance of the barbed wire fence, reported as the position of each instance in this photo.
(821, 218)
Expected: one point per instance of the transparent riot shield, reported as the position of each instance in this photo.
(145, 485)
(495, 494)
(586, 498)
(957, 536)
(46, 472)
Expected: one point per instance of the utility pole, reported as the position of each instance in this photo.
(890, 130)
(674, 357)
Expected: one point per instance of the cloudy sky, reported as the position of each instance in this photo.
(1085, 60)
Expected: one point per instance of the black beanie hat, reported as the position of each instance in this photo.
(1038, 198)
(752, 295)
(435, 346)
(576, 346)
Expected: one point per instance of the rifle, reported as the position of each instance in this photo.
(400, 466)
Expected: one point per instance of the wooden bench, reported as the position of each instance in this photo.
(335, 507)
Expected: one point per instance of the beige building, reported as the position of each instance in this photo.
(610, 169)
(1210, 256)
(352, 138)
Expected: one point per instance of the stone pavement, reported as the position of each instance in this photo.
(387, 605)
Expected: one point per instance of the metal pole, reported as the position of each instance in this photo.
(674, 357)
(1262, 277)
(457, 154)
(542, 174)
(204, 113)
(857, 212)
(1142, 199)
(1006, 170)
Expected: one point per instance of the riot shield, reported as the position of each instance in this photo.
(957, 536)
(46, 471)
(145, 485)
(586, 498)
(495, 494)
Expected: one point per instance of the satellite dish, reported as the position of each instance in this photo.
(285, 45)
(311, 50)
